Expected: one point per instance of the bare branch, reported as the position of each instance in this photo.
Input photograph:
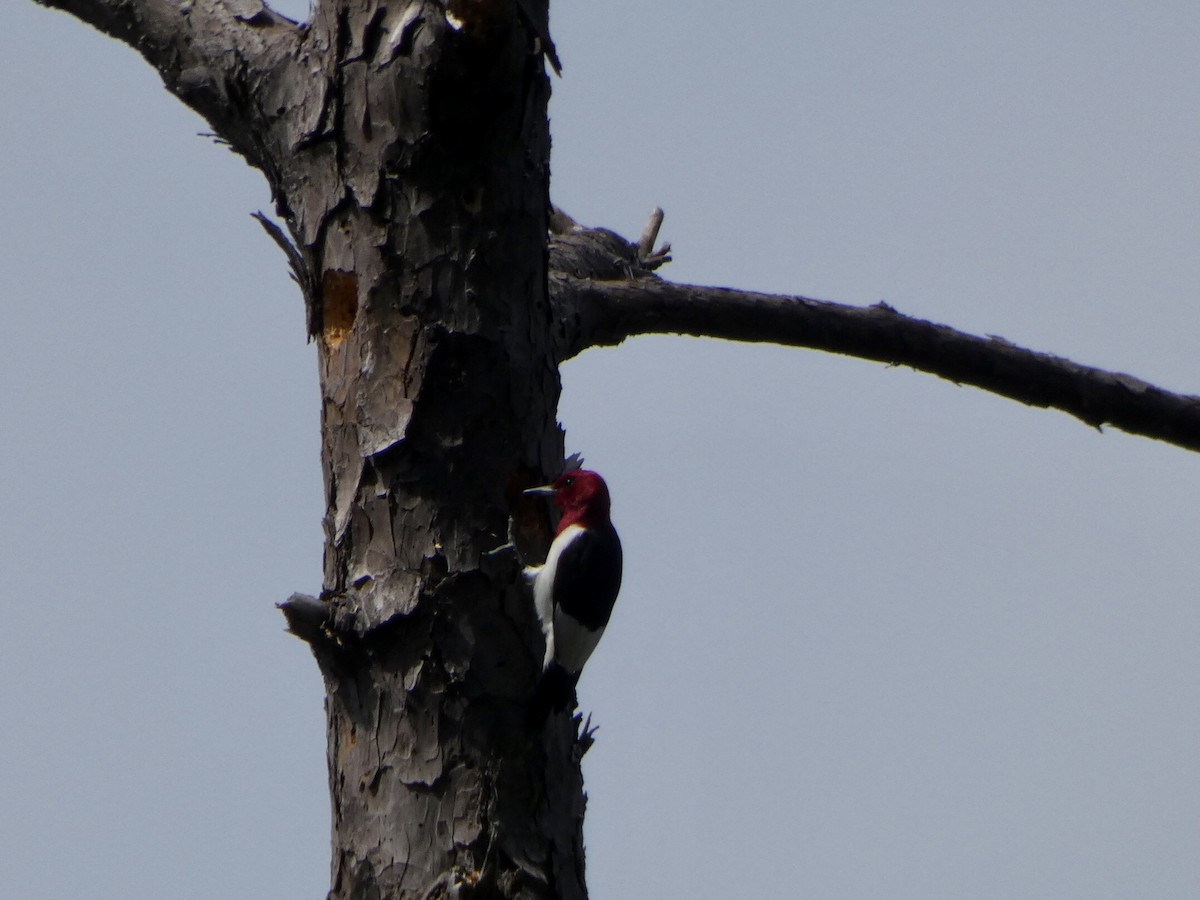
(597, 313)
(649, 257)
(645, 244)
(599, 253)
(308, 617)
(212, 54)
(301, 271)
(162, 22)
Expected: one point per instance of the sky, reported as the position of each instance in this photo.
(880, 635)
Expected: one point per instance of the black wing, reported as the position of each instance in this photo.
(588, 577)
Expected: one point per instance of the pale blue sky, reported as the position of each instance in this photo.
(880, 636)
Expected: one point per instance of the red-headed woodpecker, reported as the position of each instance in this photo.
(574, 591)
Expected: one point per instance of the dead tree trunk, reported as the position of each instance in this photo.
(407, 148)
(417, 194)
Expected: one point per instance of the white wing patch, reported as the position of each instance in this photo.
(543, 602)
(574, 642)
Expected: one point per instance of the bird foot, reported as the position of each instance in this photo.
(585, 733)
(497, 552)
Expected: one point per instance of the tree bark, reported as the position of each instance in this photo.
(407, 148)
(600, 312)
(416, 194)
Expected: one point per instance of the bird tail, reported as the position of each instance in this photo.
(555, 691)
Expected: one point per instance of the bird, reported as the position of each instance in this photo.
(575, 589)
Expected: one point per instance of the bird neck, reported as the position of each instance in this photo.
(587, 517)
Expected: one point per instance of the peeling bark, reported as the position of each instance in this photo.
(407, 149)
(415, 190)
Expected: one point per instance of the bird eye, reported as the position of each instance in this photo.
(568, 482)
